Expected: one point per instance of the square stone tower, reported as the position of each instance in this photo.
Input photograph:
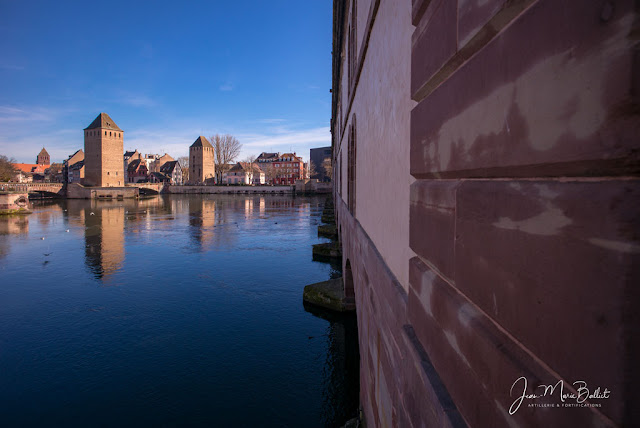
(43, 158)
(103, 153)
(201, 161)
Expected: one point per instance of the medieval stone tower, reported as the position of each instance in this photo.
(201, 162)
(103, 148)
(43, 158)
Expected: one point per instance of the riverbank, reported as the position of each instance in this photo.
(232, 190)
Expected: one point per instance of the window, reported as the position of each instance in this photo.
(352, 48)
(351, 168)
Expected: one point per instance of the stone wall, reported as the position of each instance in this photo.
(519, 196)
(77, 191)
(103, 157)
(14, 202)
(228, 189)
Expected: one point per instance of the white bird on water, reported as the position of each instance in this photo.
(42, 238)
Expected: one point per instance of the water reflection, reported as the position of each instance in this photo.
(341, 367)
(11, 225)
(202, 220)
(205, 327)
(104, 238)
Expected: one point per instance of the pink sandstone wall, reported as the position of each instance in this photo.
(507, 133)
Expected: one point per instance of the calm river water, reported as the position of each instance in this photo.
(172, 311)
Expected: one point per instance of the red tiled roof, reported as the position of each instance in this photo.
(30, 167)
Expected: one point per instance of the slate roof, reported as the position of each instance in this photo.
(168, 167)
(244, 166)
(104, 121)
(77, 165)
(201, 142)
(137, 164)
(267, 156)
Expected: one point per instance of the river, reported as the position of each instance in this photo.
(170, 311)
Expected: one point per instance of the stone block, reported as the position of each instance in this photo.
(432, 222)
(531, 102)
(477, 362)
(554, 264)
(473, 15)
(434, 41)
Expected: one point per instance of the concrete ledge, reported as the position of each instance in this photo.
(329, 250)
(328, 230)
(327, 294)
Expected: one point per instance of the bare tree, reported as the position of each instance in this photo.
(7, 169)
(226, 150)
(184, 165)
(328, 167)
(54, 173)
(250, 160)
(269, 172)
(311, 169)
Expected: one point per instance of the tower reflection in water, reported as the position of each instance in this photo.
(104, 238)
(11, 225)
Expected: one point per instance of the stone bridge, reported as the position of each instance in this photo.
(148, 188)
(56, 190)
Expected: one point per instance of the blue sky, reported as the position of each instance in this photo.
(166, 72)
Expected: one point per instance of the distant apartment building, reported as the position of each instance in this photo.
(75, 172)
(103, 148)
(287, 168)
(73, 167)
(201, 162)
(265, 157)
(129, 156)
(159, 162)
(320, 157)
(245, 173)
(137, 171)
(171, 172)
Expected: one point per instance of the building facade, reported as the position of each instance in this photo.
(287, 168)
(201, 162)
(173, 171)
(320, 157)
(129, 156)
(74, 167)
(103, 149)
(245, 173)
(486, 191)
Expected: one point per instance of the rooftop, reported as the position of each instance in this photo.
(105, 122)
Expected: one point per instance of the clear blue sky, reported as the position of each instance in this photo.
(166, 72)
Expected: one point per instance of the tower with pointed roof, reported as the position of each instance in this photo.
(201, 161)
(103, 151)
(43, 158)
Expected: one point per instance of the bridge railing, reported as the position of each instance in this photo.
(14, 187)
